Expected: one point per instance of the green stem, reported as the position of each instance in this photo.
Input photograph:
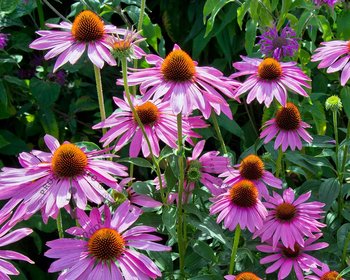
(180, 221)
(345, 155)
(218, 132)
(55, 11)
(140, 124)
(234, 249)
(345, 249)
(279, 162)
(100, 95)
(59, 225)
(335, 127)
(250, 118)
(41, 14)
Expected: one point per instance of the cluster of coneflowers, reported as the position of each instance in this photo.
(67, 177)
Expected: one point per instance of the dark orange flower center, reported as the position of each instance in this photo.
(178, 66)
(244, 193)
(106, 244)
(247, 276)
(289, 253)
(269, 69)
(288, 118)
(147, 112)
(251, 167)
(87, 27)
(286, 211)
(69, 161)
(331, 275)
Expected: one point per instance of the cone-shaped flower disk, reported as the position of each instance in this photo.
(188, 86)
(87, 31)
(324, 274)
(243, 276)
(335, 56)
(47, 181)
(285, 258)
(7, 238)
(290, 220)
(269, 79)
(252, 168)
(277, 45)
(159, 122)
(288, 128)
(240, 205)
(106, 250)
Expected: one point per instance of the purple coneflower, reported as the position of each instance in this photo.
(159, 122)
(86, 31)
(324, 274)
(46, 180)
(335, 56)
(289, 220)
(278, 46)
(3, 40)
(6, 238)
(240, 205)
(252, 168)
(285, 258)
(188, 86)
(243, 276)
(104, 248)
(199, 168)
(269, 79)
(288, 128)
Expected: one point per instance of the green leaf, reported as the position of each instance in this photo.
(319, 116)
(46, 93)
(8, 6)
(345, 99)
(284, 10)
(303, 20)
(3, 94)
(329, 191)
(3, 141)
(84, 103)
(89, 146)
(325, 27)
(48, 121)
(219, 5)
(169, 219)
(204, 250)
(254, 4)
(15, 146)
(343, 26)
(230, 125)
(163, 260)
(343, 272)
(250, 35)
(241, 11)
(137, 161)
(342, 234)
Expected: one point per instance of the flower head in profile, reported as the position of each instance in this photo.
(201, 167)
(125, 45)
(105, 248)
(285, 259)
(289, 220)
(269, 79)
(252, 168)
(280, 45)
(324, 274)
(87, 31)
(186, 85)
(288, 128)
(240, 205)
(334, 55)
(3, 40)
(243, 276)
(6, 238)
(158, 120)
(48, 181)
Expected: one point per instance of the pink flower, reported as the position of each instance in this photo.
(285, 258)
(252, 168)
(243, 276)
(188, 86)
(288, 127)
(324, 274)
(269, 78)
(240, 205)
(335, 56)
(87, 30)
(289, 220)
(159, 123)
(47, 181)
(105, 248)
(6, 238)
(199, 168)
